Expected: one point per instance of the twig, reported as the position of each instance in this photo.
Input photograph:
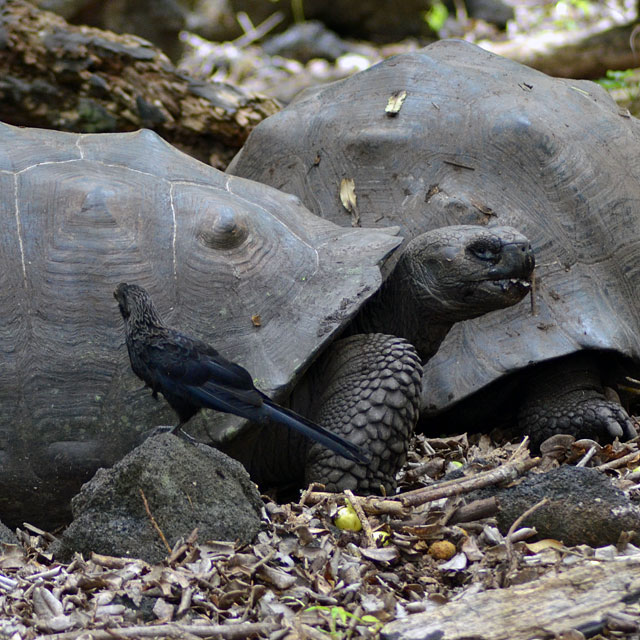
(429, 468)
(587, 456)
(620, 462)
(185, 601)
(533, 293)
(509, 537)
(172, 630)
(251, 33)
(112, 562)
(370, 504)
(517, 454)
(453, 163)
(507, 471)
(523, 533)
(475, 510)
(45, 534)
(153, 521)
(366, 525)
(396, 505)
(261, 562)
(308, 491)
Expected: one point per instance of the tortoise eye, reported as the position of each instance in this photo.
(485, 250)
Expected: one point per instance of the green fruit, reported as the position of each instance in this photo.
(347, 518)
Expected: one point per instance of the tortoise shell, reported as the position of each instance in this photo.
(234, 262)
(453, 134)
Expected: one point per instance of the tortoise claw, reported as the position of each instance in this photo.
(595, 417)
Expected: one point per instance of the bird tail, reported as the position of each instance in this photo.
(315, 432)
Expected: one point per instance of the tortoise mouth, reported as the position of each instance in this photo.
(511, 286)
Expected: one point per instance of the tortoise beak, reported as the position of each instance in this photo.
(516, 261)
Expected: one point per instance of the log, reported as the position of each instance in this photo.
(75, 78)
(581, 598)
(586, 55)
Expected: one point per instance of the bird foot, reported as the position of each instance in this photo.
(184, 435)
(156, 431)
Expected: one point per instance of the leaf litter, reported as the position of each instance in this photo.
(302, 577)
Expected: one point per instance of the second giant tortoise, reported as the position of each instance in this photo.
(239, 264)
(453, 134)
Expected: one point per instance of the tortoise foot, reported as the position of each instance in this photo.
(567, 396)
(367, 389)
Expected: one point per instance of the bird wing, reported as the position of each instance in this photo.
(193, 369)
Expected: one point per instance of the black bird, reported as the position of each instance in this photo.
(192, 375)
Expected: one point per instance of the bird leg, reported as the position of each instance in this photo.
(178, 431)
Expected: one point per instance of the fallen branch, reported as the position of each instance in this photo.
(580, 597)
(507, 471)
(396, 505)
(587, 55)
(620, 462)
(60, 76)
(370, 504)
(475, 510)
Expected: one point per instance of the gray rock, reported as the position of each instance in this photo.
(584, 506)
(186, 486)
(6, 535)
(494, 11)
(305, 41)
(376, 20)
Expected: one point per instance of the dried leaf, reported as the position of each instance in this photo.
(541, 545)
(277, 578)
(11, 556)
(256, 320)
(395, 103)
(45, 604)
(457, 563)
(348, 199)
(163, 610)
(384, 554)
(348, 194)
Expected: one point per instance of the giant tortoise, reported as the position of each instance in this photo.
(243, 265)
(234, 262)
(453, 134)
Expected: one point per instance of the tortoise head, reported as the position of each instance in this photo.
(461, 272)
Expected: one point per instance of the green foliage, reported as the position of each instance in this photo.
(436, 15)
(624, 88)
(570, 14)
(581, 5)
(342, 615)
(617, 79)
